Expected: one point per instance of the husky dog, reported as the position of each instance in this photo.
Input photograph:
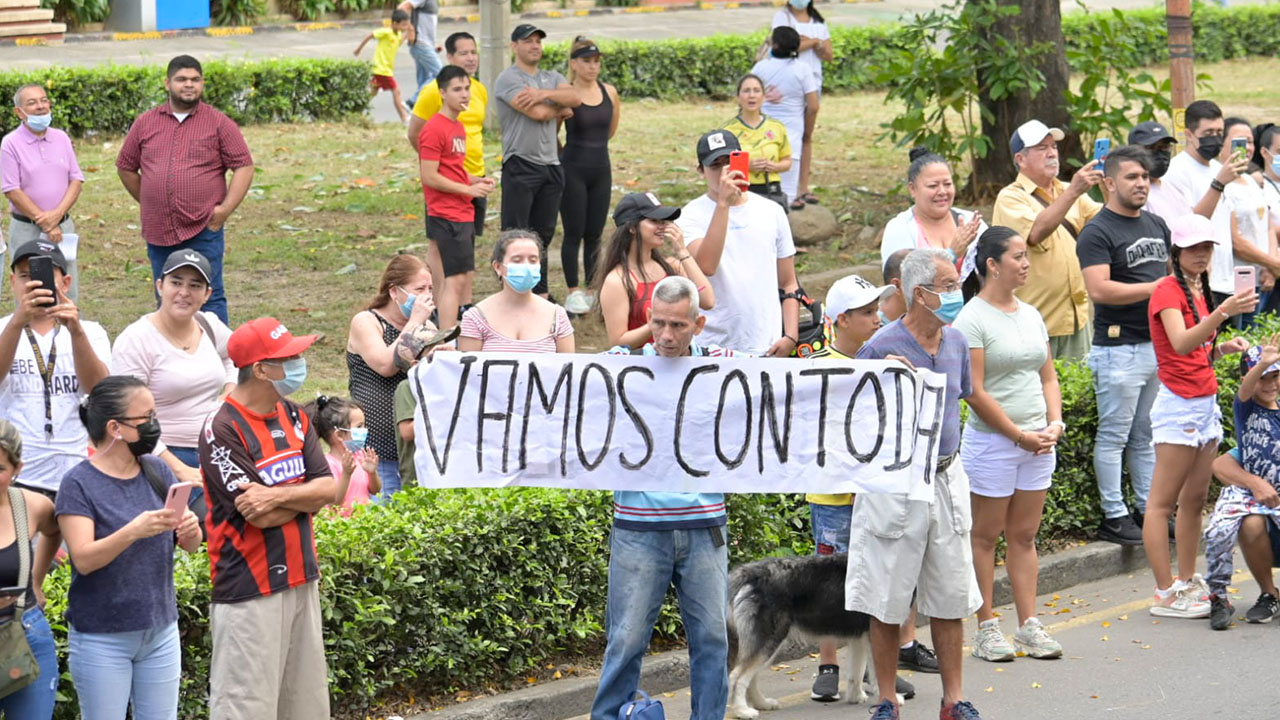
(773, 599)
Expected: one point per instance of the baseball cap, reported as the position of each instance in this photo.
(715, 145)
(1251, 358)
(1191, 230)
(853, 292)
(264, 339)
(585, 51)
(42, 248)
(420, 339)
(1148, 133)
(1032, 132)
(523, 31)
(189, 258)
(634, 206)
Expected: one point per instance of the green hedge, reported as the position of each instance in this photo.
(106, 98)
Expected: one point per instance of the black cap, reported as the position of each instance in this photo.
(1148, 133)
(590, 50)
(523, 31)
(635, 206)
(188, 258)
(42, 248)
(715, 145)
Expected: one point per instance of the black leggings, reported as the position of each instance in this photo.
(530, 196)
(584, 206)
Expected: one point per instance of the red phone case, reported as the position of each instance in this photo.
(739, 160)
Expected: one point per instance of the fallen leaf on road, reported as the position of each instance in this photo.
(1105, 638)
(991, 688)
(1035, 686)
(556, 675)
(1124, 617)
(1106, 624)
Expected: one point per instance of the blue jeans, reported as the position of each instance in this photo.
(111, 669)
(191, 458)
(35, 701)
(642, 564)
(208, 243)
(1125, 385)
(831, 528)
(427, 63)
(389, 473)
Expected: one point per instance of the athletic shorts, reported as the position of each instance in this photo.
(456, 242)
(482, 206)
(830, 528)
(1273, 531)
(900, 546)
(1176, 420)
(997, 468)
(383, 82)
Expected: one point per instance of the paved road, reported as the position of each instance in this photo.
(1118, 664)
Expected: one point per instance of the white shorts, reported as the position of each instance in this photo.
(997, 468)
(1176, 420)
(898, 547)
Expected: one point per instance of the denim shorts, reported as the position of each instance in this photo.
(830, 528)
(1176, 420)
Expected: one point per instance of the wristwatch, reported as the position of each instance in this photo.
(1060, 424)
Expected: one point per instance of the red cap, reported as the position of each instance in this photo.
(264, 339)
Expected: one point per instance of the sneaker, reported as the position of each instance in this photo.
(1200, 587)
(826, 688)
(1220, 611)
(989, 644)
(1181, 600)
(904, 688)
(578, 302)
(1120, 530)
(1035, 641)
(918, 657)
(1262, 611)
(963, 710)
(886, 710)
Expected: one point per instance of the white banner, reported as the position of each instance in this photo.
(627, 422)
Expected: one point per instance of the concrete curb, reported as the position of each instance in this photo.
(669, 671)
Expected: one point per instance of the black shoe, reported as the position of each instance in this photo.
(1262, 611)
(918, 657)
(1220, 611)
(904, 688)
(1120, 530)
(826, 688)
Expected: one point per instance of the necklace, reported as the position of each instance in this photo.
(180, 342)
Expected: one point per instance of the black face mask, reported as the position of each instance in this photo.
(148, 437)
(1209, 148)
(1159, 163)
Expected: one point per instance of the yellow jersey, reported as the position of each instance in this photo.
(767, 140)
(472, 119)
(384, 56)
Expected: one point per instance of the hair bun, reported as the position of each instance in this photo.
(321, 401)
(917, 152)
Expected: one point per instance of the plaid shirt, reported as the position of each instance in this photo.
(184, 168)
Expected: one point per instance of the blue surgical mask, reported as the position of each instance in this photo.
(406, 307)
(883, 319)
(950, 307)
(1275, 165)
(523, 276)
(295, 373)
(359, 436)
(799, 4)
(40, 123)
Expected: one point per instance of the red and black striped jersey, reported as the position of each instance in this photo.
(239, 446)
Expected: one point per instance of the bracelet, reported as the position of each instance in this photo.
(794, 342)
(1216, 184)
(1059, 423)
(1018, 443)
(682, 259)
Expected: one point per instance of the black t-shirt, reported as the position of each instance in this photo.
(1137, 250)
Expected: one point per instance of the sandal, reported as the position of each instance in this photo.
(797, 204)
(809, 198)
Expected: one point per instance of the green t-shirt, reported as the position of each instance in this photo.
(405, 405)
(1015, 347)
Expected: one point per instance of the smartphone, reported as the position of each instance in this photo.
(1246, 278)
(14, 591)
(1101, 148)
(1239, 149)
(739, 160)
(41, 269)
(179, 494)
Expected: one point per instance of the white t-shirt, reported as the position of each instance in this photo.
(813, 29)
(46, 460)
(1271, 191)
(794, 80)
(1188, 179)
(903, 232)
(1247, 203)
(747, 315)
(1166, 203)
(185, 385)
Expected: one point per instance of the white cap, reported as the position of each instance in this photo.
(853, 292)
(1030, 133)
(1193, 229)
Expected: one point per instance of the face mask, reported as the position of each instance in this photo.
(799, 4)
(1275, 165)
(406, 307)
(523, 276)
(1210, 147)
(1159, 163)
(40, 123)
(295, 373)
(950, 307)
(884, 320)
(148, 436)
(358, 438)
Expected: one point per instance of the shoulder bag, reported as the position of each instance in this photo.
(643, 708)
(18, 666)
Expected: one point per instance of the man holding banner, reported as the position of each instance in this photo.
(899, 545)
(659, 538)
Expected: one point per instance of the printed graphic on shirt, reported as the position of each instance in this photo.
(282, 469)
(1146, 250)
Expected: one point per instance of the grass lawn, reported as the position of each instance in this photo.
(331, 202)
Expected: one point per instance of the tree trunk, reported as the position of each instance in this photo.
(1039, 22)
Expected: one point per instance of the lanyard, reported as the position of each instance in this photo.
(46, 375)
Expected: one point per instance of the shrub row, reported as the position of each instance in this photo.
(106, 98)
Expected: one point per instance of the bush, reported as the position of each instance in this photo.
(106, 98)
(237, 12)
(78, 13)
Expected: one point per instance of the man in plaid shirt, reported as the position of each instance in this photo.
(174, 162)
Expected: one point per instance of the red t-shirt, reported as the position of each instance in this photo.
(1189, 375)
(445, 141)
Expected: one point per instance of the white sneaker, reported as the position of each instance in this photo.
(579, 302)
(1200, 587)
(1035, 641)
(990, 645)
(1181, 600)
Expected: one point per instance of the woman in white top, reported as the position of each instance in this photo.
(181, 355)
(791, 97)
(1253, 240)
(932, 221)
(815, 49)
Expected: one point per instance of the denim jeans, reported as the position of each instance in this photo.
(1125, 385)
(35, 701)
(111, 669)
(389, 473)
(208, 243)
(642, 565)
(427, 63)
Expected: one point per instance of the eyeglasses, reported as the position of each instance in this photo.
(144, 418)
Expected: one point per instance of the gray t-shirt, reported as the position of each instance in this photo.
(1015, 346)
(530, 139)
(427, 14)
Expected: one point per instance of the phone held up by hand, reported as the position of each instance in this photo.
(179, 495)
(739, 160)
(1246, 278)
(40, 268)
(1239, 149)
(1101, 148)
